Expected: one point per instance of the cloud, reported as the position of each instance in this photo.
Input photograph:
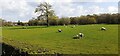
(23, 10)
(106, 0)
(112, 9)
(79, 0)
(69, 9)
(15, 9)
(65, 9)
(94, 0)
(94, 10)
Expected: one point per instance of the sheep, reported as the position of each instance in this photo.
(81, 35)
(59, 30)
(103, 28)
(76, 37)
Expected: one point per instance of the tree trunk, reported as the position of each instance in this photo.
(47, 21)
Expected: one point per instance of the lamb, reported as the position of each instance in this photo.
(103, 28)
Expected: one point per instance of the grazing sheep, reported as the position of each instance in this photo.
(81, 35)
(76, 37)
(59, 30)
(103, 28)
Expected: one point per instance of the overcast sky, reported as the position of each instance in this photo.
(23, 10)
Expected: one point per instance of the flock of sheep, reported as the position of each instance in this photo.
(81, 35)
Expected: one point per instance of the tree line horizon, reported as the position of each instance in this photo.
(48, 17)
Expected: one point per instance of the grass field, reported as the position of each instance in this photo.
(34, 38)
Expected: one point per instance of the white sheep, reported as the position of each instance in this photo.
(59, 30)
(103, 28)
(81, 35)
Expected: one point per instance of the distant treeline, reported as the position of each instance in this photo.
(82, 20)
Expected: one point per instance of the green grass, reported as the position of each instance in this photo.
(36, 37)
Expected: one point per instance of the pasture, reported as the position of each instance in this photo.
(36, 38)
